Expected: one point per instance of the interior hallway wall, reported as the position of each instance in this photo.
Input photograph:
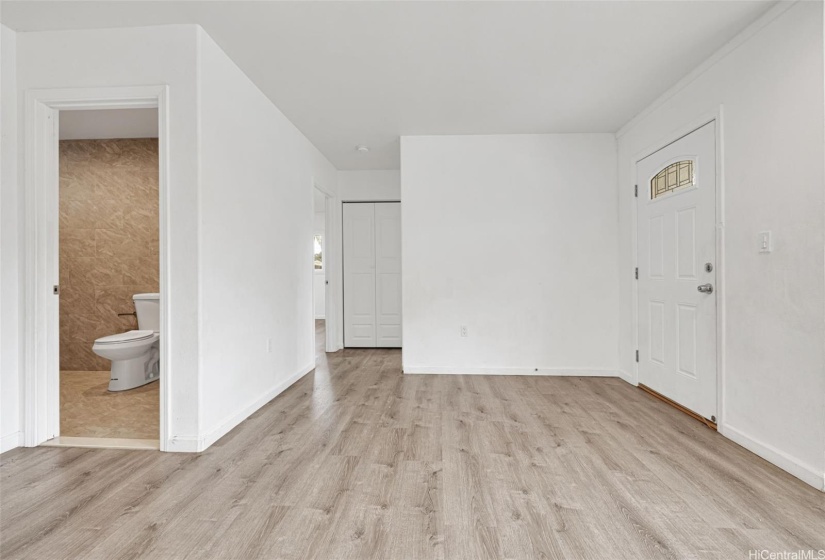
(770, 88)
(375, 185)
(108, 241)
(11, 250)
(257, 176)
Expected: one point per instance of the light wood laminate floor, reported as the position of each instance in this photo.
(89, 409)
(357, 460)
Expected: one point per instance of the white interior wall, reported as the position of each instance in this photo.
(770, 88)
(256, 224)
(319, 276)
(11, 240)
(108, 57)
(514, 237)
(369, 185)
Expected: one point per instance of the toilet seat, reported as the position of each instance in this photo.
(130, 336)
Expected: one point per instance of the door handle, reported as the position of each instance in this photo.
(705, 288)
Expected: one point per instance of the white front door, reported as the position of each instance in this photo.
(676, 209)
(359, 275)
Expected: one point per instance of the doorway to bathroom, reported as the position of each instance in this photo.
(48, 111)
(109, 277)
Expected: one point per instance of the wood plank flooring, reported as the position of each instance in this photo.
(358, 461)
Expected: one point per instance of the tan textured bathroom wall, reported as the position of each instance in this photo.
(108, 241)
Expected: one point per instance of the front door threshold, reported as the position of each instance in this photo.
(710, 424)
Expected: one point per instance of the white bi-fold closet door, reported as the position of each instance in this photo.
(372, 274)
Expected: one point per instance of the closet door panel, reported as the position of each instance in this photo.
(359, 275)
(388, 274)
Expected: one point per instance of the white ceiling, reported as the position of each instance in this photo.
(108, 123)
(350, 73)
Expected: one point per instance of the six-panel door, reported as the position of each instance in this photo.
(676, 210)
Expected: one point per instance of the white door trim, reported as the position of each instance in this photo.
(717, 117)
(331, 279)
(41, 404)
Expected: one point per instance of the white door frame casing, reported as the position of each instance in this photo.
(41, 404)
(717, 117)
(330, 278)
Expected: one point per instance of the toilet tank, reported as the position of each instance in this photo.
(147, 307)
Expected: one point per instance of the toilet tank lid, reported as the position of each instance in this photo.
(145, 296)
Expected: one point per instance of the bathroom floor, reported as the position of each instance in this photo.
(88, 409)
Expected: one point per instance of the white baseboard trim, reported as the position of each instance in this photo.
(183, 444)
(559, 372)
(800, 470)
(628, 377)
(319, 317)
(10, 441)
(234, 419)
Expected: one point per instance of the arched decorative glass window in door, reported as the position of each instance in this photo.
(673, 177)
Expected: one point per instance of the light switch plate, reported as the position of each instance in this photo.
(765, 242)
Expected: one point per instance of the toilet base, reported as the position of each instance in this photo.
(117, 384)
(130, 374)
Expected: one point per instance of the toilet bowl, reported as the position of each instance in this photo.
(135, 355)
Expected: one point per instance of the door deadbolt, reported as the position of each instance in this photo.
(708, 267)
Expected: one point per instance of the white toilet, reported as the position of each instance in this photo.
(135, 355)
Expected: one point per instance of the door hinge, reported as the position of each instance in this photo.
(637, 273)
(637, 356)
(636, 191)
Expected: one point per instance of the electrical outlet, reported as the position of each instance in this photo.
(464, 331)
(765, 242)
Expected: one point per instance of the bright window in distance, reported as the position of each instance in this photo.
(319, 252)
